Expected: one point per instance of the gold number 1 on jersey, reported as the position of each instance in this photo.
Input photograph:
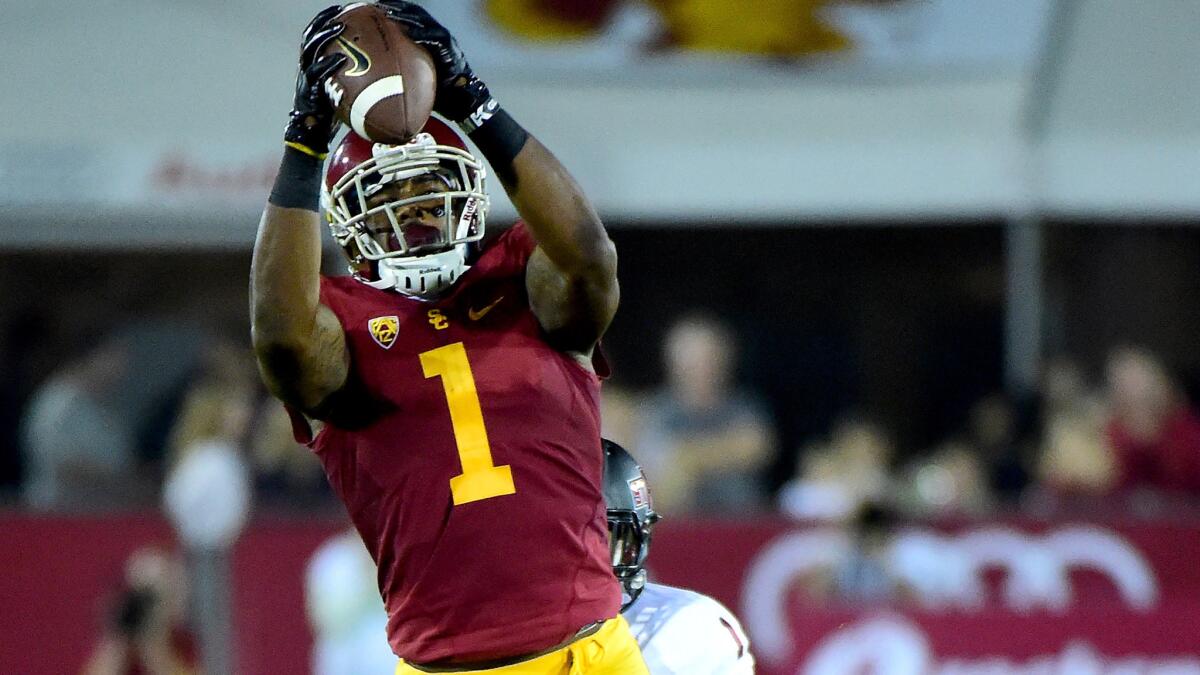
(480, 479)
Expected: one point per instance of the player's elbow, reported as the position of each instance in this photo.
(279, 348)
(271, 328)
(273, 350)
(598, 265)
(280, 365)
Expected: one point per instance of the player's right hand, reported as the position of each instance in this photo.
(311, 123)
(460, 94)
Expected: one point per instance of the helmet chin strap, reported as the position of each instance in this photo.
(421, 276)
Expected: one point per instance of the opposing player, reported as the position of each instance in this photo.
(453, 377)
(681, 632)
(348, 621)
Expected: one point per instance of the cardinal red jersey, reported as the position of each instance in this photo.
(478, 490)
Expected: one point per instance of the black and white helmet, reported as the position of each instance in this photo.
(631, 518)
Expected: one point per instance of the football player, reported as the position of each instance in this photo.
(348, 621)
(454, 378)
(680, 632)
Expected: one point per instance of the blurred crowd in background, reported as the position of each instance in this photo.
(81, 453)
(708, 444)
(1125, 440)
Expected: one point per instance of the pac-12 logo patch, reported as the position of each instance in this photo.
(641, 495)
(384, 329)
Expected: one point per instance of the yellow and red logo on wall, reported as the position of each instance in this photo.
(384, 329)
(781, 28)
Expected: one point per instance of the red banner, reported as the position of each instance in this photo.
(981, 598)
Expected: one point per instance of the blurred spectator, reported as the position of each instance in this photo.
(838, 479)
(620, 415)
(1063, 387)
(1075, 457)
(992, 430)
(952, 480)
(146, 633)
(219, 404)
(207, 489)
(286, 474)
(78, 449)
(864, 574)
(344, 610)
(1153, 431)
(704, 442)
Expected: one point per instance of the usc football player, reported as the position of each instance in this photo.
(453, 378)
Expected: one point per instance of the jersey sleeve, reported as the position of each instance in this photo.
(335, 294)
(519, 243)
(701, 638)
(509, 253)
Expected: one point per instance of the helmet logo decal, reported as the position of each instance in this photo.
(468, 215)
(362, 61)
(384, 330)
(641, 495)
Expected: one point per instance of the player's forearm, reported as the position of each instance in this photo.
(285, 279)
(285, 270)
(549, 200)
(560, 216)
(284, 289)
(299, 343)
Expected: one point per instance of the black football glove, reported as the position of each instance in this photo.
(461, 97)
(311, 124)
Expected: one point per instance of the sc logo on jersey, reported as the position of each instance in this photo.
(384, 330)
(437, 319)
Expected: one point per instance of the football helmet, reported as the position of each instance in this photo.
(405, 214)
(631, 518)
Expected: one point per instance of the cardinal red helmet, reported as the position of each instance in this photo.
(404, 214)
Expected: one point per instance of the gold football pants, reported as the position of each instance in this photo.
(612, 650)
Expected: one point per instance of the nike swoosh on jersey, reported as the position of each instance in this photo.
(477, 314)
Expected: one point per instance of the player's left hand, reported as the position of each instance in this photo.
(460, 93)
(311, 122)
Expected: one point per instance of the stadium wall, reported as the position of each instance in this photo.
(998, 596)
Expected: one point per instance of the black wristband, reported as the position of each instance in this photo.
(298, 183)
(499, 138)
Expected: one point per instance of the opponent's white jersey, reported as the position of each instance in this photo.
(344, 609)
(685, 633)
